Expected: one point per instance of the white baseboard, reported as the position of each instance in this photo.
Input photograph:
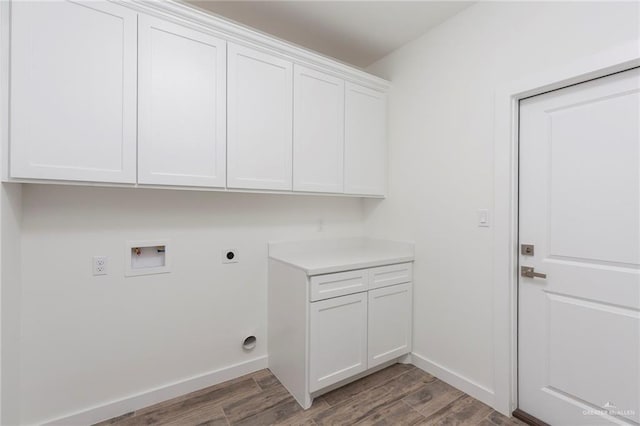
(153, 396)
(407, 359)
(456, 380)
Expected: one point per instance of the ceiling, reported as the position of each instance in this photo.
(355, 32)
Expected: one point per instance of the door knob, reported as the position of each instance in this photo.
(529, 272)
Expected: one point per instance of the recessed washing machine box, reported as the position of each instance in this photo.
(146, 257)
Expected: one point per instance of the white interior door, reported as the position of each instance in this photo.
(579, 328)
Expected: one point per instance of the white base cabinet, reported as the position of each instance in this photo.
(337, 340)
(389, 320)
(326, 330)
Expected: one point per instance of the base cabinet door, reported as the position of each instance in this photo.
(73, 91)
(182, 105)
(338, 339)
(389, 323)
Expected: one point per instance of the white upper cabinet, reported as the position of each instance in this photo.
(109, 92)
(260, 120)
(365, 141)
(318, 131)
(182, 105)
(73, 91)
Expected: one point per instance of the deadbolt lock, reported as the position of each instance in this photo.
(526, 249)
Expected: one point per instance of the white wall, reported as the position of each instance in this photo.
(441, 167)
(10, 271)
(90, 340)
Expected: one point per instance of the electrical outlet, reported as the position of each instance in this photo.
(230, 256)
(100, 265)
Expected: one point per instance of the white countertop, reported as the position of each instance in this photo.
(317, 257)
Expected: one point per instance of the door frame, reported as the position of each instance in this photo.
(505, 184)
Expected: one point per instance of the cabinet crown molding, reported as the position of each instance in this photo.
(189, 15)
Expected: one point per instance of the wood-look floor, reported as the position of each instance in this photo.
(398, 395)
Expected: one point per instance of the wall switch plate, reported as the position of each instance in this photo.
(100, 265)
(483, 218)
(230, 256)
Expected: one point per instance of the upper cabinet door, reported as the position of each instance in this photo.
(260, 100)
(73, 91)
(318, 131)
(182, 105)
(365, 141)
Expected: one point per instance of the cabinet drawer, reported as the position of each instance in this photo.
(389, 275)
(340, 284)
